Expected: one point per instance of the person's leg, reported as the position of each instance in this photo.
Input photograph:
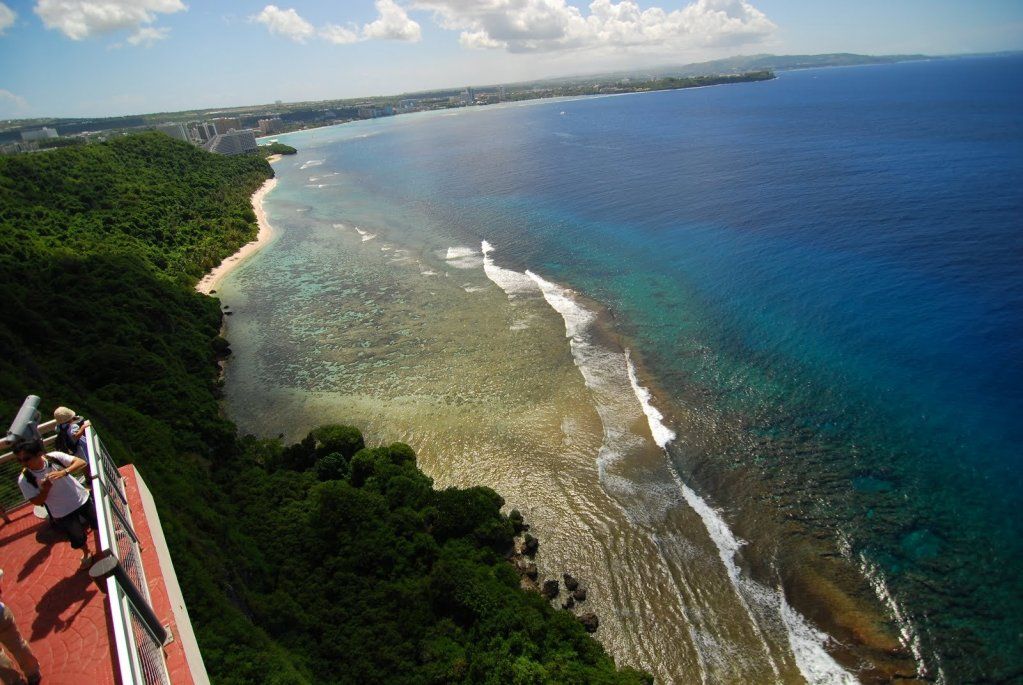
(9, 674)
(15, 644)
(75, 531)
(89, 512)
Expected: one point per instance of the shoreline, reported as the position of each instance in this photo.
(208, 283)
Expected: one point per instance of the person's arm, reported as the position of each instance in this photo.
(73, 466)
(80, 432)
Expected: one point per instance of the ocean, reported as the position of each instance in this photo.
(748, 357)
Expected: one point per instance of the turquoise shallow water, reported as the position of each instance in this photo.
(819, 276)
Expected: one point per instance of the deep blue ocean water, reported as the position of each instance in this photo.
(830, 264)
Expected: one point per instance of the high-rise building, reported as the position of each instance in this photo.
(225, 124)
(233, 142)
(43, 133)
(269, 126)
(203, 131)
(174, 131)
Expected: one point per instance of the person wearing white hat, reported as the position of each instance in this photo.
(70, 432)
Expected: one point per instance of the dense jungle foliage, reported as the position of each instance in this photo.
(321, 562)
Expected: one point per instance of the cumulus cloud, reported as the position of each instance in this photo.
(79, 19)
(393, 24)
(285, 23)
(147, 35)
(12, 105)
(7, 17)
(551, 25)
(339, 35)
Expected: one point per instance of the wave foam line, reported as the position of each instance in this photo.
(807, 643)
(577, 318)
(462, 257)
(511, 282)
(908, 634)
(312, 162)
(366, 235)
(662, 434)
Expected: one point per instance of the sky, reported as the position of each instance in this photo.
(112, 57)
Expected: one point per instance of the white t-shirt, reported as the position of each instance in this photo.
(66, 495)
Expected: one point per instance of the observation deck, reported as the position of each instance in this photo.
(122, 623)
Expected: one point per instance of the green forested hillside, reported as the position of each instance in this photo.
(317, 563)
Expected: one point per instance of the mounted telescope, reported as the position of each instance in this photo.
(25, 426)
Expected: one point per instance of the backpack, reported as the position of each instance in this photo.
(63, 442)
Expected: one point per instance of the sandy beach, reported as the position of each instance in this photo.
(209, 281)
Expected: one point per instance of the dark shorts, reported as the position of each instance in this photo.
(74, 523)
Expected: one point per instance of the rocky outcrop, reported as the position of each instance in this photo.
(590, 622)
(521, 557)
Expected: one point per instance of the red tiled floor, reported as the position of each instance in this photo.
(62, 613)
(58, 608)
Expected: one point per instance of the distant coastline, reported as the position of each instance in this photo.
(209, 282)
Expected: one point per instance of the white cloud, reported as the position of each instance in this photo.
(7, 17)
(339, 35)
(285, 23)
(79, 19)
(552, 25)
(12, 105)
(147, 35)
(393, 24)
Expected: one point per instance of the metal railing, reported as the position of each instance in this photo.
(138, 635)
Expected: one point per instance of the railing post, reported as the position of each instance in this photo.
(110, 566)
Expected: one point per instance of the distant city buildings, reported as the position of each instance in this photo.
(209, 135)
(177, 131)
(16, 147)
(270, 126)
(227, 124)
(202, 131)
(43, 133)
(372, 111)
(233, 142)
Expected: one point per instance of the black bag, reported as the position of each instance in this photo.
(63, 442)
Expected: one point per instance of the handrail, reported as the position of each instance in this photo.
(138, 635)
